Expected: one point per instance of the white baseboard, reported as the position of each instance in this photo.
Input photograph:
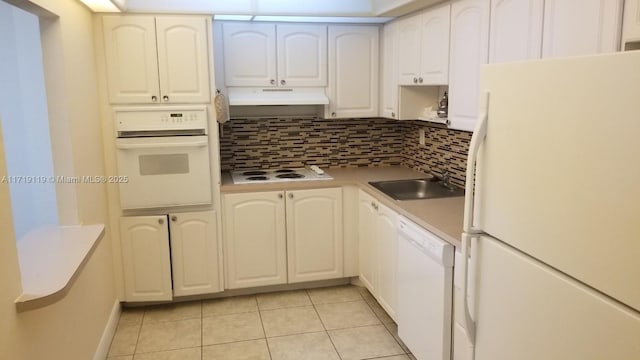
(109, 330)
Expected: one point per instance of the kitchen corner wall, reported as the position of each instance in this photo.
(444, 149)
(253, 143)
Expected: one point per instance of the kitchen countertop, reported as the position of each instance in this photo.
(443, 217)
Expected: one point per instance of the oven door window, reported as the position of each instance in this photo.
(164, 164)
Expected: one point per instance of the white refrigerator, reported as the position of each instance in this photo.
(552, 218)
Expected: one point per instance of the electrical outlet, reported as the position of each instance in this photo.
(422, 140)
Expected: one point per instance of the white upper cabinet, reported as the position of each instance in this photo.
(302, 55)
(468, 51)
(314, 234)
(435, 46)
(194, 253)
(516, 30)
(183, 59)
(156, 59)
(353, 71)
(266, 55)
(249, 54)
(410, 48)
(389, 72)
(132, 62)
(631, 25)
(423, 42)
(580, 28)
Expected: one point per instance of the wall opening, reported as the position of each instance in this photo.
(25, 122)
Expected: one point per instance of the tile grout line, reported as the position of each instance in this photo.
(266, 341)
(324, 326)
(135, 349)
(383, 324)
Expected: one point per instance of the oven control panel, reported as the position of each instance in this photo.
(160, 119)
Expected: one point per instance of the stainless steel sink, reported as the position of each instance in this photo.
(415, 189)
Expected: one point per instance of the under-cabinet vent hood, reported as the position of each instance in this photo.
(277, 96)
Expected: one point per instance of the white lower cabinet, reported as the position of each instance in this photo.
(314, 234)
(194, 253)
(152, 262)
(378, 251)
(283, 236)
(255, 243)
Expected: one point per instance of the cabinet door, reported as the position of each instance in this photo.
(590, 27)
(145, 258)
(389, 73)
(367, 217)
(388, 258)
(516, 30)
(302, 55)
(132, 63)
(468, 51)
(410, 48)
(353, 71)
(434, 68)
(249, 54)
(194, 253)
(314, 234)
(631, 25)
(183, 59)
(255, 252)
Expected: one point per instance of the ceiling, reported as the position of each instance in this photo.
(351, 8)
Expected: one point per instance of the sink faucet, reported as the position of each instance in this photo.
(445, 178)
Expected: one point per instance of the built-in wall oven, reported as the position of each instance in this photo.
(162, 156)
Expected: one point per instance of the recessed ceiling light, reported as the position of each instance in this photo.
(104, 5)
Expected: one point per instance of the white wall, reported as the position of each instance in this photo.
(71, 328)
(25, 120)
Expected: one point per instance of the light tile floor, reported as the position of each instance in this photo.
(333, 323)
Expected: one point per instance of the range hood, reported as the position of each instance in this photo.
(277, 96)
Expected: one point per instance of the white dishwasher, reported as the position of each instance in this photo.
(425, 290)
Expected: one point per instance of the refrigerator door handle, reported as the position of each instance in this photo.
(474, 147)
(469, 324)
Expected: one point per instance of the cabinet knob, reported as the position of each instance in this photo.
(393, 115)
(165, 98)
(280, 196)
(283, 82)
(154, 98)
(333, 114)
(160, 221)
(420, 80)
(174, 218)
(273, 82)
(290, 195)
(415, 80)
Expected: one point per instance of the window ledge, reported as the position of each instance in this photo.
(51, 259)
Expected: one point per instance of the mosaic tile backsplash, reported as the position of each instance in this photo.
(444, 149)
(297, 141)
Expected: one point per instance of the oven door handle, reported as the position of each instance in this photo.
(156, 145)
